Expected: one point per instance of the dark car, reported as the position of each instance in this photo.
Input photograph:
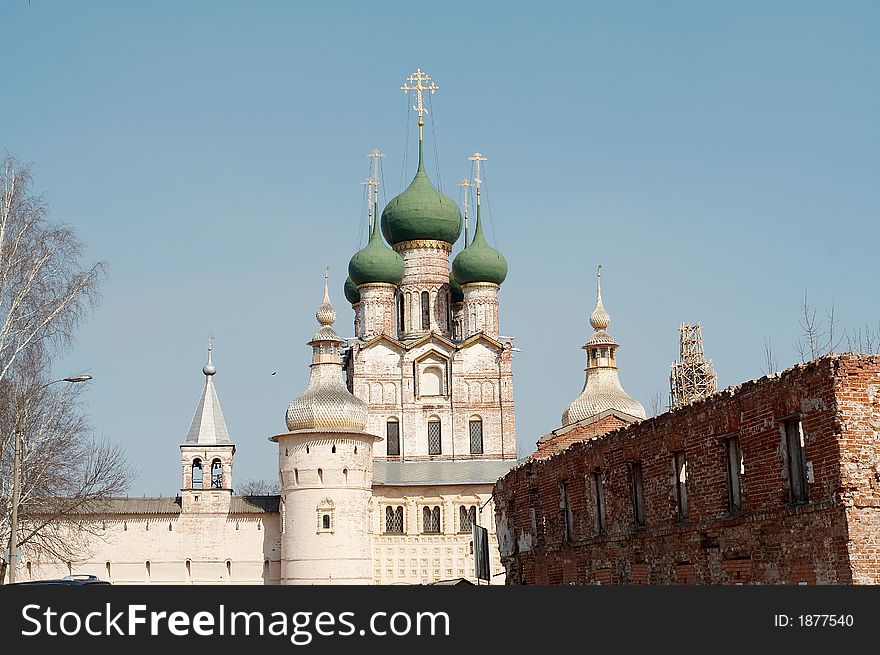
(74, 580)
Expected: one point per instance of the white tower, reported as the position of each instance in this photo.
(326, 470)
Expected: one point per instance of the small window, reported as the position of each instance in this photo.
(565, 508)
(734, 473)
(394, 520)
(467, 517)
(794, 449)
(679, 465)
(392, 437)
(434, 443)
(325, 521)
(638, 493)
(599, 495)
(476, 433)
(401, 325)
(216, 474)
(426, 311)
(431, 520)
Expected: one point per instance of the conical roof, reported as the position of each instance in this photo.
(479, 262)
(208, 426)
(421, 212)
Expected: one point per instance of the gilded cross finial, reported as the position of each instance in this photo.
(376, 155)
(599, 283)
(477, 157)
(369, 184)
(418, 82)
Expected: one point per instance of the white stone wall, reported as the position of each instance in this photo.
(426, 268)
(480, 310)
(220, 549)
(377, 310)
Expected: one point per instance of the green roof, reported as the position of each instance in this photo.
(352, 295)
(375, 262)
(421, 212)
(479, 262)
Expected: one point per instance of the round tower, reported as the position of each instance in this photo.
(326, 468)
(602, 390)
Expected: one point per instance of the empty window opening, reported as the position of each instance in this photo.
(638, 493)
(794, 448)
(565, 507)
(599, 494)
(679, 465)
(734, 474)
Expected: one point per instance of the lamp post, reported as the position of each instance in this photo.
(16, 481)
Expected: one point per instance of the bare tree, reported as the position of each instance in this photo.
(66, 474)
(771, 363)
(817, 338)
(259, 488)
(864, 342)
(45, 292)
(655, 406)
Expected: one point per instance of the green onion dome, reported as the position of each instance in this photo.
(455, 292)
(421, 212)
(352, 295)
(375, 262)
(479, 262)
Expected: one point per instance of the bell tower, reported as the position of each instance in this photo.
(206, 455)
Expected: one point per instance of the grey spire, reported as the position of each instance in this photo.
(208, 427)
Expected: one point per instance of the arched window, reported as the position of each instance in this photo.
(401, 326)
(467, 517)
(107, 564)
(434, 442)
(392, 437)
(320, 476)
(476, 433)
(197, 474)
(394, 519)
(189, 569)
(149, 570)
(216, 474)
(229, 569)
(431, 520)
(431, 382)
(325, 515)
(325, 520)
(426, 310)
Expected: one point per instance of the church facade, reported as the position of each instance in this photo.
(391, 453)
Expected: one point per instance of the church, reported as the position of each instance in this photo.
(390, 454)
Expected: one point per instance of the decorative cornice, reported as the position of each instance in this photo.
(468, 285)
(376, 285)
(422, 243)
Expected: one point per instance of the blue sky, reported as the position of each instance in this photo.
(718, 159)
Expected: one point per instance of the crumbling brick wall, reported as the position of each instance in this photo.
(831, 538)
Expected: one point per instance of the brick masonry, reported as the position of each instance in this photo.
(832, 538)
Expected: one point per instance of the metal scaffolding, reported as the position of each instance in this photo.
(693, 376)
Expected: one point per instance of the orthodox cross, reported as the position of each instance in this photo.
(477, 157)
(418, 82)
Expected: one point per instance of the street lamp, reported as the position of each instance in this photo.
(16, 481)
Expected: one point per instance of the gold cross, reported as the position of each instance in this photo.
(417, 79)
(477, 157)
(466, 184)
